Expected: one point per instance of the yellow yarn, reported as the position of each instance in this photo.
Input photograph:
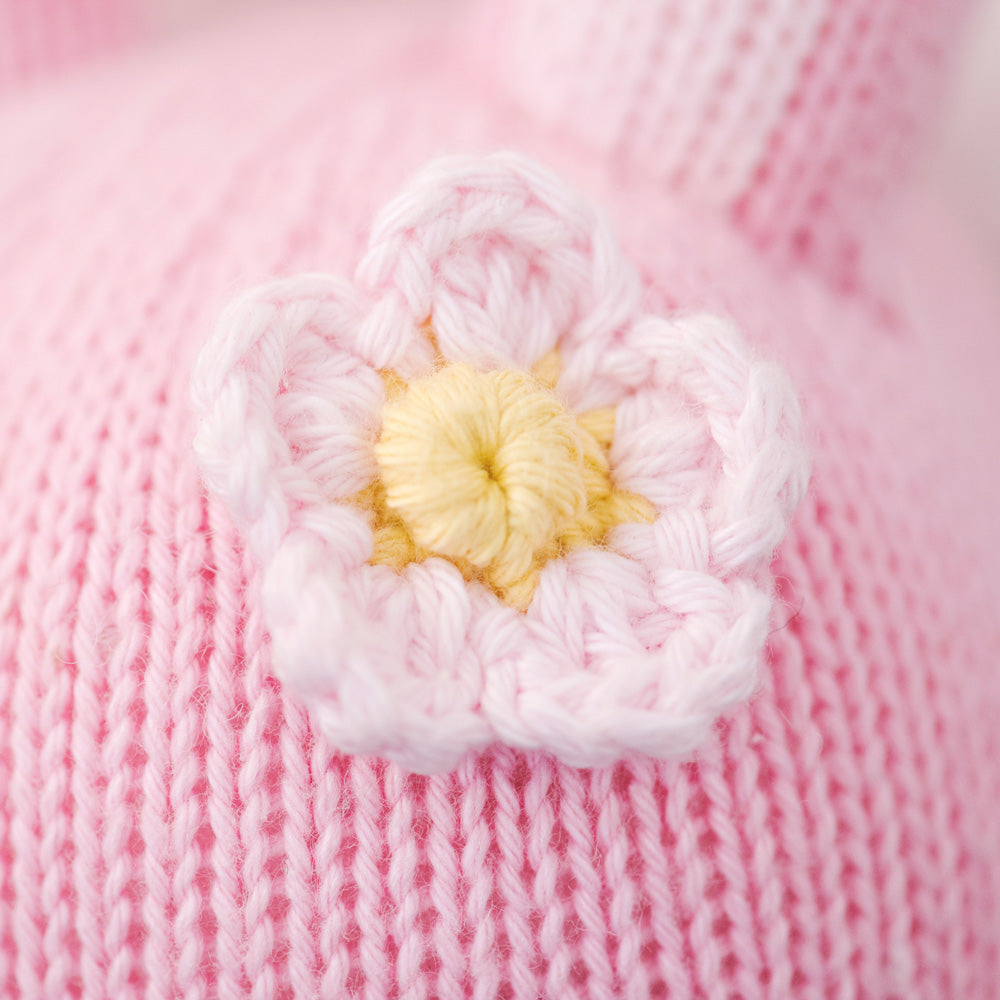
(491, 471)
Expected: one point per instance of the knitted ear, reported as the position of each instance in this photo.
(489, 499)
(797, 120)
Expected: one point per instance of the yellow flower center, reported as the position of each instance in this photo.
(491, 471)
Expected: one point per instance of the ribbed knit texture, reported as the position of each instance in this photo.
(795, 118)
(39, 37)
(173, 826)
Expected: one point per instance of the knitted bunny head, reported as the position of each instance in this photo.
(408, 581)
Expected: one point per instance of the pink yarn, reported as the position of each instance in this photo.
(794, 119)
(41, 37)
(175, 825)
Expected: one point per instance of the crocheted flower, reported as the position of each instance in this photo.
(491, 498)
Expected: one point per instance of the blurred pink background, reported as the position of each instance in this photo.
(966, 159)
(43, 38)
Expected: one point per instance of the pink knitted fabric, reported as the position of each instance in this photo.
(794, 118)
(175, 825)
(38, 37)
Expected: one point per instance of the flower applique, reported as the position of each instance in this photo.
(490, 497)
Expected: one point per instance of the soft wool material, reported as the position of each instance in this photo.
(175, 825)
(407, 507)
